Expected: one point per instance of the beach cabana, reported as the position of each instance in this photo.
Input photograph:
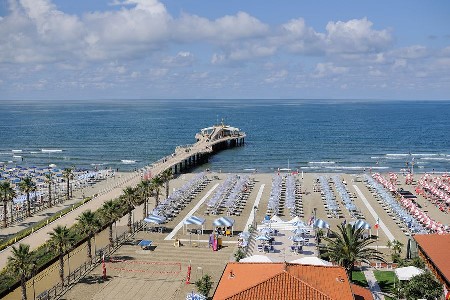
(361, 224)
(311, 260)
(194, 220)
(407, 273)
(224, 222)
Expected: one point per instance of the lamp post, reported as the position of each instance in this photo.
(33, 274)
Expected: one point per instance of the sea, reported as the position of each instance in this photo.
(349, 136)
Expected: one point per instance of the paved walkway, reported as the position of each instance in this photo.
(373, 285)
(386, 230)
(41, 236)
(251, 217)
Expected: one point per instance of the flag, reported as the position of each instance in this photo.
(377, 224)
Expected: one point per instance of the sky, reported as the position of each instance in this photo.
(247, 49)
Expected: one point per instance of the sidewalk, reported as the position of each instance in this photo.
(110, 189)
(373, 285)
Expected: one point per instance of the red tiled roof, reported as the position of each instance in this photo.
(361, 293)
(436, 247)
(283, 281)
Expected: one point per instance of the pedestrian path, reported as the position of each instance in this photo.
(386, 230)
(373, 285)
(251, 217)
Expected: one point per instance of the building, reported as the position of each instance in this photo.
(288, 282)
(434, 250)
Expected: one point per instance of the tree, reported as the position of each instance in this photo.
(21, 263)
(62, 239)
(68, 175)
(49, 181)
(7, 194)
(145, 189)
(88, 225)
(110, 214)
(239, 254)
(27, 186)
(396, 247)
(157, 183)
(350, 247)
(204, 285)
(129, 195)
(423, 286)
(167, 175)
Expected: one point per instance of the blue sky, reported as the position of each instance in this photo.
(84, 49)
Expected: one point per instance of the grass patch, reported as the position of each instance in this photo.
(359, 278)
(386, 280)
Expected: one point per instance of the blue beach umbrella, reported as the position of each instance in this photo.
(155, 219)
(262, 238)
(296, 238)
(319, 223)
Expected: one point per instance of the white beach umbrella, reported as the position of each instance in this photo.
(311, 260)
(256, 258)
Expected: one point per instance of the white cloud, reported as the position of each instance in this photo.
(277, 76)
(328, 70)
(182, 59)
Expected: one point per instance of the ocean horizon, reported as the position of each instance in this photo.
(348, 136)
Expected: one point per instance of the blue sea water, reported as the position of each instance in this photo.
(309, 135)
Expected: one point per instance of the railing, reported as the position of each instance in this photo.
(76, 275)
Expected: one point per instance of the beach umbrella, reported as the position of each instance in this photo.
(361, 224)
(299, 230)
(300, 224)
(265, 230)
(244, 234)
(193, 296)
(155, 219)
(262, 238)
(194, 220)
(319, 223)
(296, 238)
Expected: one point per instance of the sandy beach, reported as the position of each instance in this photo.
(161, 271)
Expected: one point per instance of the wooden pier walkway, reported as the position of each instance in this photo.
(209, 141)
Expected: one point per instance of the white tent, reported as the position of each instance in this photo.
(256, 258)
(406, 273)
(311, 260)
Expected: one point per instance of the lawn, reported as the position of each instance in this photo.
(359, 278)
(386, 280)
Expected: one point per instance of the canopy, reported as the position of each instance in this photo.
(155, 219)
(407, 273)
(311, 260)
(256, 258)
(194, 220)
(320, 224)
(224, 221)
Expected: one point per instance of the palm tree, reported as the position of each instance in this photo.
(167, 175)
(110, 214)
(145, 188)
(27, 186)
(68, 175)
(157, 183)
(7, 194)
(350, 247)
(21, 262)
(62, 239)
(5, 187)
(49, 181)
(88, 225)
(129, 195)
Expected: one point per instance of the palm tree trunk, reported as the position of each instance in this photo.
(11, 212)
(23, 285)
(50, 195)
(5, 211)
(111, 241)
(167, 188)
(157, 198)
(28, 205)
(144, 209)
(61, 267)
(129, 222)
(68, 194)
(89, 248)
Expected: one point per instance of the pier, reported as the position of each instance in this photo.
(210, 140)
